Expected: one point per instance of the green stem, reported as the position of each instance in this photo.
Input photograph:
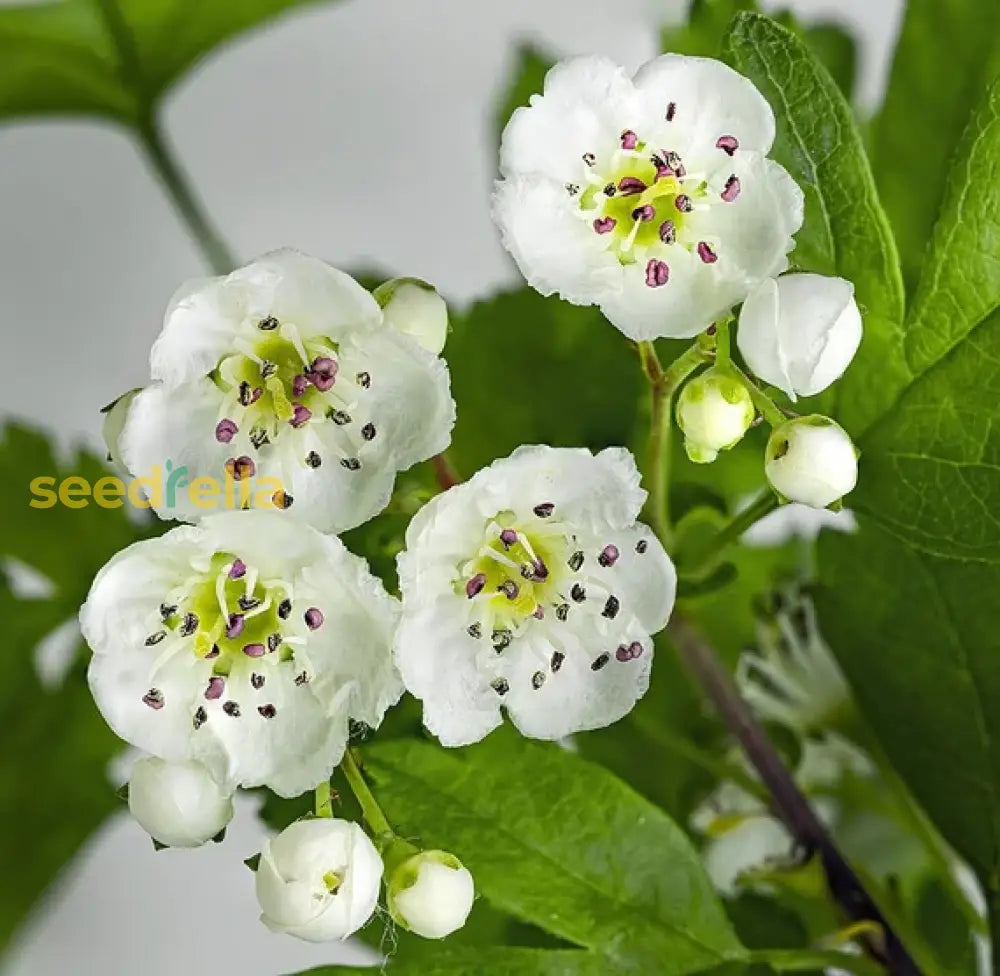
(324, 800)
(723, 357)
(993, 915)
(377, 821)
(663, 385)
(766, 407)
(799, 960)
(190, 208)
(764, 504)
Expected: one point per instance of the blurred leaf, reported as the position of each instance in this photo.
(947, 54)
(56, 747)
(906, 604)
(560, 843)
(845, 232)
(111, 58)
(533, 370)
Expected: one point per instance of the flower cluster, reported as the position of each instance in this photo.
(238, 650)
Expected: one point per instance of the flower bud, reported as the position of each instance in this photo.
(413, 307)
(714, 411)
(178, 803)
(800, 332)
(115, 415)
(318, 880)
(431, 894)
(811, 460)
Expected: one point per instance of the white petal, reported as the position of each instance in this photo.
(555, 248)
(710, 100)
(414, 308)
(759, 340)
(441, 665)
(204, 316)
(586, 104)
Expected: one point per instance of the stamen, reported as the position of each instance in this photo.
(673, 161)
(225, 430)
(706, 253)
(216, 686)
(668, 232)
(575, 561)
(604, 225)
(241, 467)
(301, 678)
(235, 626)
(254, 650)
(562, 611)
(268, 369)
(313, 618)
(257, 681)
(728, 144)
(200, 718)
(539, 612)
(313, 460)
(238, 569)
(671, 111)
(501, 639)
(611, 607)
(475, 585)
(683, 203)
(629, 140)
(268, 324)
(500, 686)
(267, 711)
(368, 432)
(189, 625)
(609, 190)
(572, 189)
(339, 417)
(300, 415)
(352, 464)
(284, 609)
(364, 380)
(599, 662)
(510, 589)
(644, 213)
(273, 642)
(322, 373)
(299, 385)
(508, 537)
(545, 509)
(732, 189)
(641, 546)
(258, 437)
(475, 630)
(154, 639)
(630, 185)
(154, 699)
(589, 158)
(245, 393)
(557, 660)
(282, 500)
(657, 273)
(167, 610)
(248, 602)
(213, 653)
(630, 652)
(232, 709)
(537, 680)
(578, 594)
(609, 555)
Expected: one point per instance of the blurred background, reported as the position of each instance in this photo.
(361, 131)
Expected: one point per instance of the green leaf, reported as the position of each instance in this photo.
(560, 843)
(56, 747)
(531, 370)
(452, 960)
(946, 56)
(906, 603)
(111, 58)
(845, 232)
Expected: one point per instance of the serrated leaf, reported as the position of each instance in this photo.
(533, 370)
(111, 58)
(845, 232)
(560, 843)
(947, 54)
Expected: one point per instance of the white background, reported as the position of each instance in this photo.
(360, 131)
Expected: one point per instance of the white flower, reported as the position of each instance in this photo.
(649, 196)
(794, 521)
(413, 307)
(246, 642)
(791, 677)
(532, 587)
(318, 880)
(801, 332)
(178, 804)
(714, 411)
(286, 373)
(811, 460)
(431, 894)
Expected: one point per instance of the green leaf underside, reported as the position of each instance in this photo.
(56, 747)
(68, 58)
(845, 231)
(946, 56)
(909, 603)
(562, 844)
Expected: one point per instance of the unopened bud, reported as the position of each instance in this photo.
(811, 460)
(714, 411)
(431, 894)
(413, 307)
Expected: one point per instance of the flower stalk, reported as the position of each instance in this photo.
(377, 821)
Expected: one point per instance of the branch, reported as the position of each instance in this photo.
(789, 803)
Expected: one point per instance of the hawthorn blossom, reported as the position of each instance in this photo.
(531, 587)
(800, 332)
(287, 370)
(651, 196)
(811, 460)
(247, 643)
(318, 880)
